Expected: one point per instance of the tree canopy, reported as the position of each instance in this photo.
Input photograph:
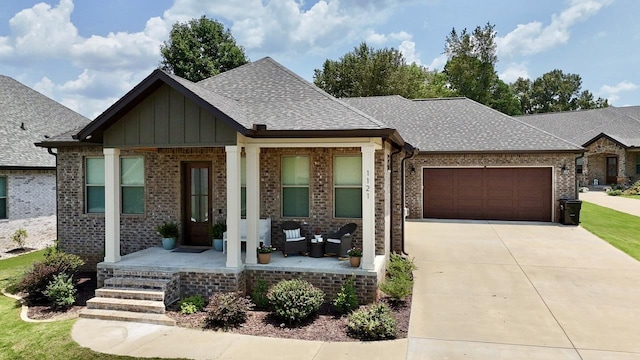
(366, 71)
(199, 49)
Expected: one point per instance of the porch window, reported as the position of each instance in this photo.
(94, 185)
(638, 163)
(579, 162)
(243, 187)
(295, 186)
(3, 197)
(347, 186)
(132, 185)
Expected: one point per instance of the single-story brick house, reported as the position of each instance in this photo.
(260, 142)
(611, 137)
(27, 172)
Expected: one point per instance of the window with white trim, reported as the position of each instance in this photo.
(295, 186)
(579, 162)
(638, 163)
(94, 184)
(243, 187)
(132, 185)
(347, 186)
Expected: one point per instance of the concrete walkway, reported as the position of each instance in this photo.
(521, 291)
(629, 206)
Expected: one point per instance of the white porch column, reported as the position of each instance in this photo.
(233, 206)
(253, 202)
(111, 205)
(368, 207)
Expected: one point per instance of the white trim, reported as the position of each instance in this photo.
(553, 181)
(112, 205)
(234, 259)
(368, 207)
(314, 142)
(252, 172)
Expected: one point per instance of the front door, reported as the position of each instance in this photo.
(197, 209)
(612, 169)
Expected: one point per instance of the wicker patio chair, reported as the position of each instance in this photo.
(295, 240)
(339, 242)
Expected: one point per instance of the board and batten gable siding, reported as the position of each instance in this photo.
(166, 118)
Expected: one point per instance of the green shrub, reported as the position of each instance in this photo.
(397, 287)
(35, 280)
(374, 322)
(400, 265)
(259, 294)
(192, 304)
(227, 310)
(616, 192)
(61, 291)
(346, 301)
(294, 300)
(20, 237)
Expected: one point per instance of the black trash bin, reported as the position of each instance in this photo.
(570, 211)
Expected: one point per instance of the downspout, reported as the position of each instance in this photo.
(57, 198)
(391, 196)
(412, 154)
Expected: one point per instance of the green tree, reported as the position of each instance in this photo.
(199, 49)
(554, 91)
(366, 71)
(470, 67)
(436, 86)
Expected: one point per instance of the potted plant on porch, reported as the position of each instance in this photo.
(264, 254)
(217, 232)
(355, 255)
(169, 232)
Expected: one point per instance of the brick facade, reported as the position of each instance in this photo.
(83, 233)
(595, 163)
(31, 204)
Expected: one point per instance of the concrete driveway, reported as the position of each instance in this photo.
(494, 290)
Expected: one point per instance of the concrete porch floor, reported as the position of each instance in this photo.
(159, 259)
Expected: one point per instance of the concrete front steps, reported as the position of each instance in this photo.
(137, 296)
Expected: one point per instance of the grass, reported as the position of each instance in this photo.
(23, 340)
(619, 229)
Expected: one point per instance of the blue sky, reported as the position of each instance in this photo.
(86, 54)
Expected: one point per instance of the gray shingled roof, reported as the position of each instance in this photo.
(41, 117)
(621, 124)
(271, 94)
(457, 125)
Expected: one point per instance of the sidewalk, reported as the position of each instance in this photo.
(629, 206)
(145, 340)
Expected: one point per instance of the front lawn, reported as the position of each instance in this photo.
(617, 228)
(23, 340)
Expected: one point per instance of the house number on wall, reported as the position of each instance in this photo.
(367, 188)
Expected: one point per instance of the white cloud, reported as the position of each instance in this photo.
(533, 38)
(514, 71)
(45, 86)
(408, 50)
(611, 92)
(375, 39)
(438, 63)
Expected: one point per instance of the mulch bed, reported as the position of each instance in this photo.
(326, 326)
(86, 285)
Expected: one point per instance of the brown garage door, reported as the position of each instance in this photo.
(487, 193)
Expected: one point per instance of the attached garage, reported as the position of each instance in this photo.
(523, 194)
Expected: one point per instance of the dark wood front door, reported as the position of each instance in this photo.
(612, 169)
(197, 203)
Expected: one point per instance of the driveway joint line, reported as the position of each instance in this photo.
(536, 290)
(498, 343)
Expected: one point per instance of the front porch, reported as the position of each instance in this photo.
(207, 272)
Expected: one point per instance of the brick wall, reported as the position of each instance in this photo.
(595, 163)
(31, 204)
(83, 234)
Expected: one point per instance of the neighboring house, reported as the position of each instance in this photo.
(611, 137)
(27, 172)
(260, 142)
